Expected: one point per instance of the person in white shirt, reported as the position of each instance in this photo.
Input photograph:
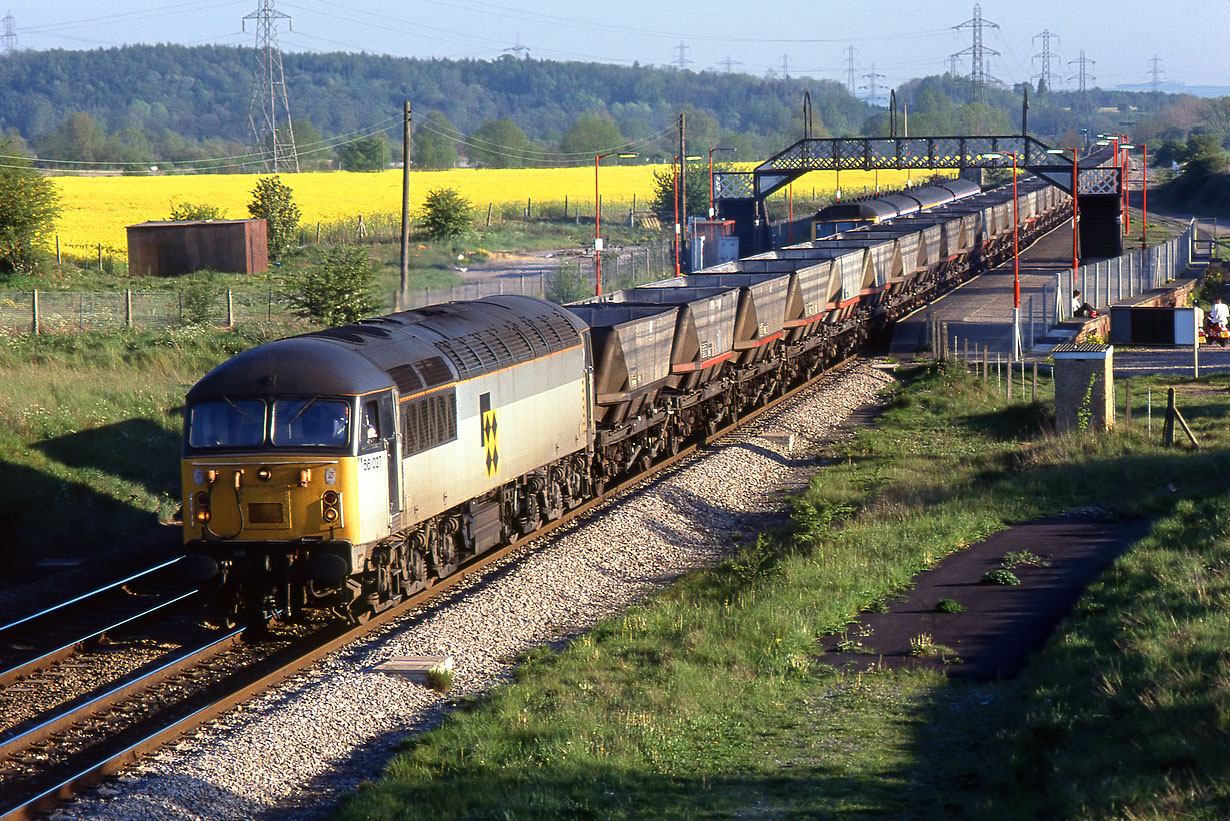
(1081, 308)
(1219, 314)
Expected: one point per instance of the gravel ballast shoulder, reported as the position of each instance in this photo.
(294, 751)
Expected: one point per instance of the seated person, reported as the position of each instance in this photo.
(1081, 308)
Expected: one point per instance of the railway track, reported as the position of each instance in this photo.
(47, 761)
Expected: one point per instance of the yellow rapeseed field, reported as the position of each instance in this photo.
(96, 210)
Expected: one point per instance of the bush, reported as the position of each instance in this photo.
(446, 214)
(272, 201)
(29, 206)
(193, 211)
(338, 290)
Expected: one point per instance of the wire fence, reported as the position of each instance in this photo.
(560, 279)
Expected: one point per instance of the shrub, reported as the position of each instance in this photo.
(272, 201)
(949, 606)
(194, 211)
(1000, 576)
(339, 289)
(446, 214)
(29, 206)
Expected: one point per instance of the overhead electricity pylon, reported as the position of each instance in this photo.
(979, 76)
(1082, 76)
(9, 38)
(276, 143)
(1046, 75)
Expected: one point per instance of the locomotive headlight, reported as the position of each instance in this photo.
(331, 510)
(202, 516)
(305, 476)
(264, 474)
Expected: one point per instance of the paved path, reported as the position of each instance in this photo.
(981, 309)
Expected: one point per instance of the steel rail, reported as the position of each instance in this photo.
(25, 668)
(84, 596)
(101, 703)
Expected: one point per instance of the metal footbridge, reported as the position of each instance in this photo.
(740, 195)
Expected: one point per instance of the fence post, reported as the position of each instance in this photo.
(1033, 396)
(269, 306)
(230, 309)
(128, 307)
(1127, 405)
(34, 312)
(1031, 322)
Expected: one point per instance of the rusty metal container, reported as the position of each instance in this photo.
(167, 248)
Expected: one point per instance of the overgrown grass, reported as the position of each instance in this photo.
(711, 701)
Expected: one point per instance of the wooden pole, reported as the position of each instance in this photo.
(1168, 428)
(405, 205)
(1127, 405)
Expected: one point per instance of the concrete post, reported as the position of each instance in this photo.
(1084, 387)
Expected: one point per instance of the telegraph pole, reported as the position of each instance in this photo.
(9, 38)
(683, 186)
(405, 204)
(269, 95)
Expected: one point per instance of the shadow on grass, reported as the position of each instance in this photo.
(136, 450)
(47, 518)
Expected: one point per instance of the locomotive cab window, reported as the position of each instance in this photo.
(371, 422)
(311, 422)
(227, 424)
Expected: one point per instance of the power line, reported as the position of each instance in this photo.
(785, 67)
(729, 63)
(850, 82)
(269, 93)
(979, 76)
(1047, 75)
(1155, 71)
(1082, 76)
(10, 35)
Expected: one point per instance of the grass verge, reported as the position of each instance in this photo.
(711, 701)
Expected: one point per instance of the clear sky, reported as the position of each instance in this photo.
(901, 40)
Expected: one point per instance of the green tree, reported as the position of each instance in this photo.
(697, 186)
(338, 290)
(273, 202)
(446, 214)
(591, 134)
(29, 206)
(196, 211)
(433, 146)
(364, 154)
(314, 155)
(501, 144)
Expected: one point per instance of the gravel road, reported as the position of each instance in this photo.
(292, 753)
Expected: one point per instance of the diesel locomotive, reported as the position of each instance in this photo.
(345, 469)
